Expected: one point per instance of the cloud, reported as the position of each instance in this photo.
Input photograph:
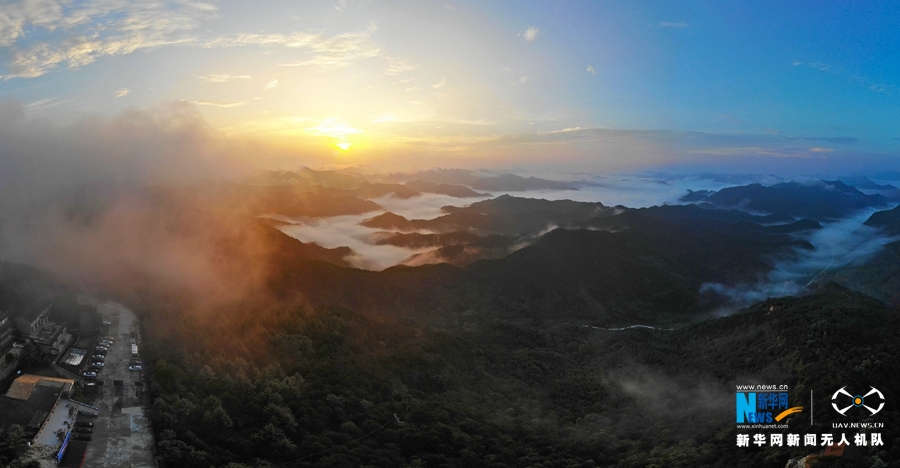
(222, 78)
(272, 84)
(882, 88)
(816, 65)
(322, 51)
(42, 104)
(83, 32)
(669, 24)
(398, 65)
(837, 140)
(530, 34)
(166, 142)
(122, 92)
(836, 245)
(564, 130)
(590, 69)
(820, 150)
(226, 104)
(440, 84)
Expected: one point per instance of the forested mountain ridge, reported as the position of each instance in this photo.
(321, 387)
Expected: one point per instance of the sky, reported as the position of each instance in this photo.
(583, 86)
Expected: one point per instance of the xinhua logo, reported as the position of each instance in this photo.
(763, 407)
(843, 397)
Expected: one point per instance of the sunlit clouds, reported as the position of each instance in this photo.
(600, 86)
(223, 78)
(225, 104)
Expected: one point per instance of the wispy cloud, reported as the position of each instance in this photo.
(837, 140)
(673, 25)
(590, 69)
(816, 65)
(441, 84)
(225, 104)
(398, 65)
(222, 78)
(890, 90)
(43, 104)
(320, 50)
(563, 130)
(82, 32)
(877, 87)
(271, 85)
(530, 34)
(122, 92)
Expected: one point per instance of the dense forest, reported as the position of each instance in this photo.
(329, 386)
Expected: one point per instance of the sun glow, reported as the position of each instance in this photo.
(343, 145)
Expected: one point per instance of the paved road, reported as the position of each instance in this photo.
(122, 435)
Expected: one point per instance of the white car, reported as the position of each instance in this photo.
(135, 367)
(106, 322)
(97, 364)
(90, 374)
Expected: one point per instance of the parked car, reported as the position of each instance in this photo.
(82, 429)
(89, 374)
(133, 342)
(84, 424)
(82, 437)
(101, 348)
(98, 357)
(106, 322)
(136, 367)
(97, 364)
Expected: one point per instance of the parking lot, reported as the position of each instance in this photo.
(121, 433)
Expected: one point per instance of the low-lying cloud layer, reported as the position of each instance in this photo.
(837, 244)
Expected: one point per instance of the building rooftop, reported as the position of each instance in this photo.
(23, 387)
(35, 311)
(30, 400)
(30, 413)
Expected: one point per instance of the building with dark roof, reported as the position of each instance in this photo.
(30, 400)
(6, 329)
(34, 319)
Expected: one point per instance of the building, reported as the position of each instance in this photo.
(30, 401)
(34, 319)
(6, 329)
(35, 324)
